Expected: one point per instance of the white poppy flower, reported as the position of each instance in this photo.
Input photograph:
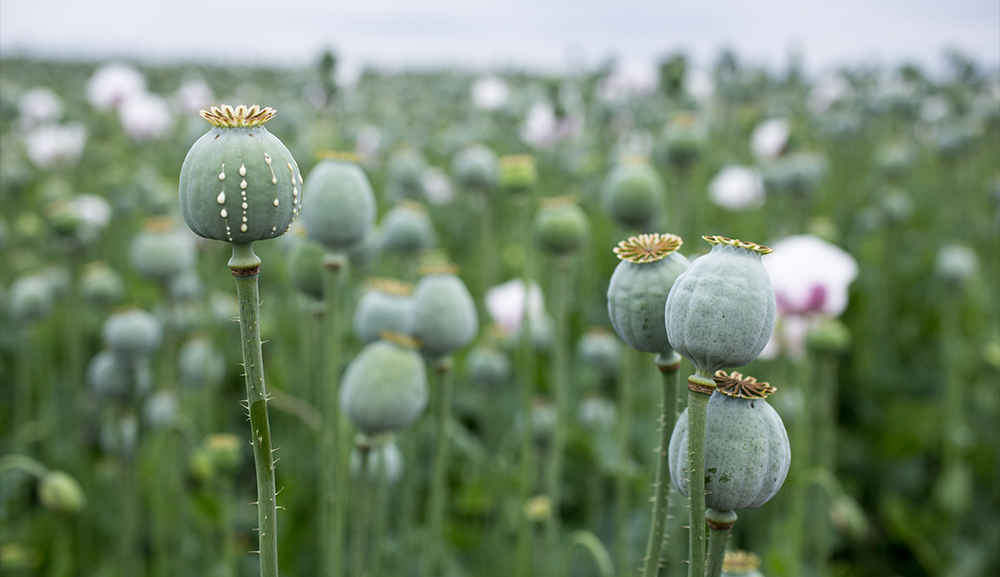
(737, 188)
(54, 145)
(490, 93)
(505, 304)
(39, 106)
(113, 84)
(810, 275)
(769, 138)
(144, 116)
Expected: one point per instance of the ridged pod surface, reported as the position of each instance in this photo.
(444, 314)
(747, 453)
(637, 293)
(341, 204)
(384, 388)
(720, 311)
(238, 182)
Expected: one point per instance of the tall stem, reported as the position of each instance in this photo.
(527, 391)
(700, 388)
(246, 268)
(622, 496)
(720, 523)
(560, 385)
(441, 372)
(363, 509)
(333, 485)
(655, 544)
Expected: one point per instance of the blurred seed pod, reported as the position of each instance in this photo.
(561, 225)
(444, 315)
(518, 172)
(597, 413)
(896, 204)
(383, 458)
(305, 267)
(119, 435)
(895, 159)
(543, 420)
(830, 336)
(956, 264)
(476, 167)
(161, 251)
(385, 387)
(682, 141)
(406, 228)
(386, 306)
(601, 350)
(201, 364)
(341, 204)
(160, 409)
(849, 518)
(186, 286)
(31, 298)
(101, 285)
(741, 564)
(405, 169)
(633, 194)
(487, 366)
(60, 492)
(108, 377)
(132, 333)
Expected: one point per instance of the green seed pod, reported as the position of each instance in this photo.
(476, 167)
(405, 172)
(741, 564)
(637, 293)
(487, 366)
(682, 141)
(341, 204)
(238, 182)
(561, 225)
(633, 194)
(597, 413)
(31, 298)
(830, 336)
(225, 451)
(305, 267)
(518, 172)
(201, 364)
(107, 376)
(132, 334)
(720, 311)
(956, 264)
(386, 306)
(406, 228)
(385, 387)
(600, 349)
(383, 459)
(100, 285)
(161, 251)
(160, 409)
(746, 447)
(60, 492)
(444, 314)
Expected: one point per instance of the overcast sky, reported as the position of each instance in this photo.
(534, 33)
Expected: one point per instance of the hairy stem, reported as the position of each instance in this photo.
(720, 523)
(697, 409)
(333, 513)
(246, 268)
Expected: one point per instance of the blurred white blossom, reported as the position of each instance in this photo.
(144, 116)
(368, 142)
(827, 92)
(490, 93)
(542, 129)
(505, 304)
(769, 139)
(437, 186)
(811, 278)
(93, 212)
(195, 95)
(55, 145)
(628, 80)
(699, 84)
(39, 106)
(737, 188)
(113, 84)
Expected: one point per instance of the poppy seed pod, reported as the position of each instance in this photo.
(637, 293)
(385, 387)
(31, 297)
(405, 171)
(720, 311)
(161, 251)
(518, 172)
(476, 167)
(305, 267)
(488, 366)
(132, 334)
(406, 228)
(747, 454)
(741, 564)
(238, 182)
(600, 349)
(201, 364)
(341, 204)
(386, 306)
(100, 285)
(633, 194)
(561, 225)
(444, 315)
